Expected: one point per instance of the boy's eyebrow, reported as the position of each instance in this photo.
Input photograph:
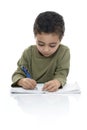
(41, 41)
(48, 43)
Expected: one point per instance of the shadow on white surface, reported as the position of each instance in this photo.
(43, 104)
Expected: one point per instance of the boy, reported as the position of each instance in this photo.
(48, 61)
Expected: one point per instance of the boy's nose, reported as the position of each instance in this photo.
(46, 49)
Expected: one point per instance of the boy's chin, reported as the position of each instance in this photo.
(46, 55)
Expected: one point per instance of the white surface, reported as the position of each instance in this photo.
(42, 112)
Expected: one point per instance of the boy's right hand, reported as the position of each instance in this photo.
(27, 83)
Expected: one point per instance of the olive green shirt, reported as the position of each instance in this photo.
(41, 68)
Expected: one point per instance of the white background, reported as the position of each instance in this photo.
(16, 33)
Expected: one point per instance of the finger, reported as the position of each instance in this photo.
(27, 84)
(32, 83)
(48, 87)
(53, 89)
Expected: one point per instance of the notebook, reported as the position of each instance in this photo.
(67, 89)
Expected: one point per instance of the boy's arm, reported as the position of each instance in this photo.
(19, 74)
(62, 69)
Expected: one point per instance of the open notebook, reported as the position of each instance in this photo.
(67, 89)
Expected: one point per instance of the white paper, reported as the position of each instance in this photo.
(67, 89)
(70, 89)
(20, 90)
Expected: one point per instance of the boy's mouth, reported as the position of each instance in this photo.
(46, 54)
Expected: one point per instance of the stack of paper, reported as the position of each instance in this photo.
(70, 89)
(67, 89)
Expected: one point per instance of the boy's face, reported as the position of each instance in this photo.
(47, 44)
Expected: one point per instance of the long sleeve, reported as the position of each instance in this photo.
(18, 74)
(63, 66)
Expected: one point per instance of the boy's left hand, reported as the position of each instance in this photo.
(52, 85)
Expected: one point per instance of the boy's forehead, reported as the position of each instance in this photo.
(47, 38)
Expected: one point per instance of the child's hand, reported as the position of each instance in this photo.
(27, 83)
(52, 85)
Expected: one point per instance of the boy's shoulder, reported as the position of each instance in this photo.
(62, 50)
(30, 48)
(64, 47)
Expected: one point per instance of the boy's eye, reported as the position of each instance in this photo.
(52, 46)
(40, 44)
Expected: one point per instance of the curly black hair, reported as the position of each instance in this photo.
(49, 22)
